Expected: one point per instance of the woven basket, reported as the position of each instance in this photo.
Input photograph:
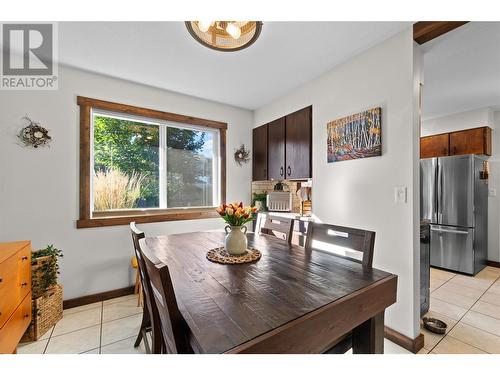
(37, 275)
(47, 311)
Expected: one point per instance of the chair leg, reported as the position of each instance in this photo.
(145, 323)
(157, 345)
(138, 339)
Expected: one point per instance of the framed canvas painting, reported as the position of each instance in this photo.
(355, 136)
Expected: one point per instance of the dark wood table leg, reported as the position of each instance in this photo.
(368, 337)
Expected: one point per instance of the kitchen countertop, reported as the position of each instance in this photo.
(293, 215)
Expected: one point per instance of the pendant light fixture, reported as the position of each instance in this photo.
(225, 35)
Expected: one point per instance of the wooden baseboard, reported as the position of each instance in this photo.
(492, 263)
(98, 297)
(413, 345)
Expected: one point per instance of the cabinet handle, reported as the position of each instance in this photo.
(24, 284)
(281, 171)
(26, 316)
(24, 258)
(289, 170)
(1, 279)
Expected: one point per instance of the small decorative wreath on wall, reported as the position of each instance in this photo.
(241, 155)
(34, 134)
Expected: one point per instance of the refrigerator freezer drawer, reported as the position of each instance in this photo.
(452, 248)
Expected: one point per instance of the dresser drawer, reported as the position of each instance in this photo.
(15, 284)
(14, 328)
(24, 269)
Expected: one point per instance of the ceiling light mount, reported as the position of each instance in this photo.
(225, 36)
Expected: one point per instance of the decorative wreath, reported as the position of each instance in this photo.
(34, 134)
(241, 156)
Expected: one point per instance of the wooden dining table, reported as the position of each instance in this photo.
(290, 301)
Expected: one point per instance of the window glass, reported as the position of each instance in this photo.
(141, 164)
(190, 167)
(126, 164)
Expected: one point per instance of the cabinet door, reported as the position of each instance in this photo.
(298, 144)
(276, 149)
(259, 158)
(434, 146)
(471, 141)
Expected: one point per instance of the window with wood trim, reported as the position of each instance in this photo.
(142, 165)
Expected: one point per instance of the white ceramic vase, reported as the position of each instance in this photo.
(236, 240)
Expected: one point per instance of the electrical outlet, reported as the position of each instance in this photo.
(400, 194)
(492, 192)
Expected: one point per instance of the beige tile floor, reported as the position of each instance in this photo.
(470, 306)
(100, 328)
(108, 327)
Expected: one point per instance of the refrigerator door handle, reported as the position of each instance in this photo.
(440, 192)
(449, 231)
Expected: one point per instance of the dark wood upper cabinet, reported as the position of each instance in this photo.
(298, 144)
(276, 149)
(434, 146)
(471, 141)
(463, 142)
(259, 157)
(282, 149)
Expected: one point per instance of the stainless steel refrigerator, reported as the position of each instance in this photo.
(454, 201)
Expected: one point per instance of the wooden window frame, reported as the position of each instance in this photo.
(124, 217)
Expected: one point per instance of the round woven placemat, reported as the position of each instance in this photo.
(220, 255)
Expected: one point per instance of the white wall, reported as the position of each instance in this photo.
(473, 119)
(457, 121)
(360, 193)
(39, 188)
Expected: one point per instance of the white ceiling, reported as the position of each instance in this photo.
(164, 55)
(462, 70)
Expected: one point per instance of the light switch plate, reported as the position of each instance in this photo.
(492, 192)
(400, 194)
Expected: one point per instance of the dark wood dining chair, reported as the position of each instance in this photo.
(351, 243)
(150, 319)
(174, 328)
(277, 226)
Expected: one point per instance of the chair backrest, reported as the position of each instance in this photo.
(146, 288)
(356, 244)
(173, 326)
(278, 226)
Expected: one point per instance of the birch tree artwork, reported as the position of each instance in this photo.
(355, 136)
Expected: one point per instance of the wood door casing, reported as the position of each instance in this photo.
(471, 141)
(276, 149)
(298, 144)
(259, 158)
(434, 146)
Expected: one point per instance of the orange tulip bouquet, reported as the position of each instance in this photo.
(236, 216)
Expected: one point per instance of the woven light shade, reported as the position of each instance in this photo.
(217, 37)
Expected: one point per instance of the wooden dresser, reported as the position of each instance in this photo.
(15, 293)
